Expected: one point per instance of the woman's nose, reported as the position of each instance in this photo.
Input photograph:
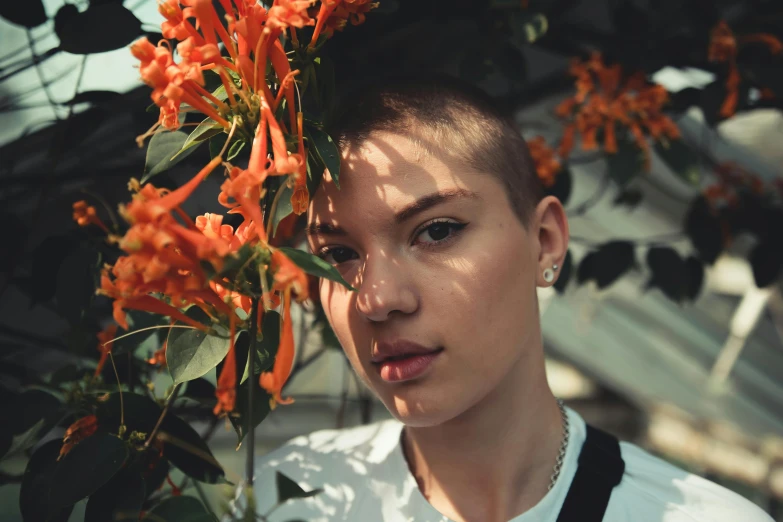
(385, 287)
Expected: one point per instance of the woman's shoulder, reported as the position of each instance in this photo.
(340, 462)
(656, 490)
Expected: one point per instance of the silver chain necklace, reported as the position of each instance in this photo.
(563, 445)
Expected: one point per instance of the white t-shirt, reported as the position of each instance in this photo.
(365, 478)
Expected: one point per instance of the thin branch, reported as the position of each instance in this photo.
(119, 388)
(251, 435)
(169, 402)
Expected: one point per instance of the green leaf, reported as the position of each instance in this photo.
(161, 151)
(138, 320)
(315, 172)
(261, 408)
(216, 145)
(110, 26)
(24, 440)
(314, 265)
(284, 207)
(87, 467)
(327, 151)
(288, 489)
(682, 159)
(27, 14)
(120, 498)
(187, 451)
(180, 509)
(205, 130)
(192, 353)
(36, 483)
(529, 26)
(626, 163)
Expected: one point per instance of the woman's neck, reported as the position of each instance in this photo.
(495, 460)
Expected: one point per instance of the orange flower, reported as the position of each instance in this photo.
(77, 432)
(287, 275)
(334, 15)
(723, 47)
(226, 390)
(105, 339)
(603, 102)
(85, 214)
(289, 13)
(274, 381)
(547, 165)
(159, 357)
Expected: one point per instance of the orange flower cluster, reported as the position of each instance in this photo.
(105, 338)
(604, 102)
(546, 163)
(85, 215)
(77, 432)
(335, 14)
(733, 179)
(170, 255)
(723, 48)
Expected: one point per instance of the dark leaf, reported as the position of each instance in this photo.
(629, 197)
(76, 283)
(607, 264)
(141, 412)
(704, 230)
(327, 151)
(613, 260)
(110, 26)
(314, 265)
(694, 277)
(585, 271)
(66, 374)
(87, 467)
(288, 489)
(682, 159)
(120, 498)
(36, 483)
(14, 235)
(766, 260)
(35, 412)
(46, 260)
(155, 472)
(180, 509)
(161, 151)
(475, 65)
(30, 13)
(261, 408)
(93, 97)
(200, 390)
(565, 273)
(192, 353)
(684, 99)
(266, 347)
(315, 172)
(668, 273)
(562, 186)
(186, 450)
(626, 163)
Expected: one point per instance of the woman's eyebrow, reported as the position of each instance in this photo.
(417, 207)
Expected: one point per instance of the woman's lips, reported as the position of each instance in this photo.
(407, 367)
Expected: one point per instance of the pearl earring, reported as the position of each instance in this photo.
(549, 275)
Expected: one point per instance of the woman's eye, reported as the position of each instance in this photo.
(440, 231)
(337, 255)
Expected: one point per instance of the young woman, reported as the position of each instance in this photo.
(441, 225)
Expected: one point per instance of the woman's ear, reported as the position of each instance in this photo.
(551, 228)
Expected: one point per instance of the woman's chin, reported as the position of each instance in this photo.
(424, 413)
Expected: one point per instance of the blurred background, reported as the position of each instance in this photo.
(666, 327)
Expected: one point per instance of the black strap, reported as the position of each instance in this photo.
(601, 468)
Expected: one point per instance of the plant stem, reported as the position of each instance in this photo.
(251, 440)
(170, 400)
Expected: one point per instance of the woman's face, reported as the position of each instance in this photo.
(439, 259)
